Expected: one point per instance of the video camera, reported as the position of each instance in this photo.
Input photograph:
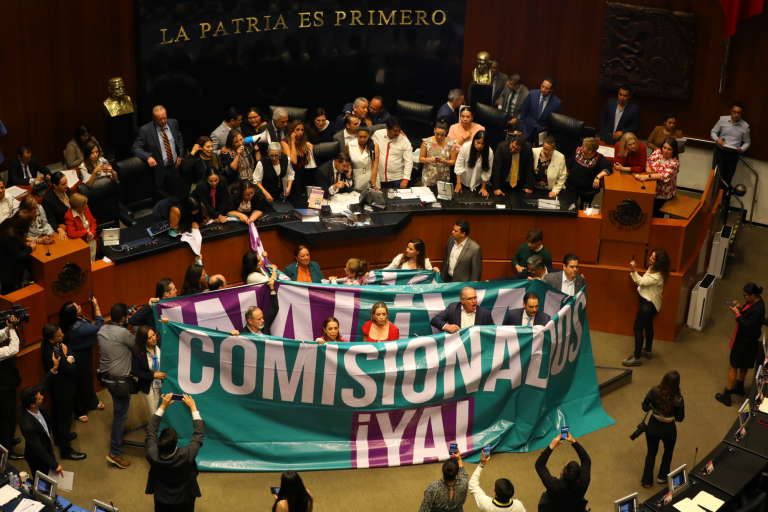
(20, 312)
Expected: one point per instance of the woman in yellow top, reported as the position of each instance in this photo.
(649, 286)
(661, 133)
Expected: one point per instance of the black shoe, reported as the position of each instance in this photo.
(15, 456)
(72, 436)
(724, 397)
(738, 388)
(73, 455)
(16, 441)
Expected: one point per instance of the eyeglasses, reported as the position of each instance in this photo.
(471, 299)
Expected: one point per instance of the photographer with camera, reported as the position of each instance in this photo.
(116, 344)
(667, 406)
(10, 380)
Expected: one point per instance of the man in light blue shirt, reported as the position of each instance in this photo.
(732, 137)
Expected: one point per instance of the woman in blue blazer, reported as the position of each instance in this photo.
(303, 269)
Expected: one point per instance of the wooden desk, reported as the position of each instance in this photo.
(680, 207)
(626, 226)
(65, 274)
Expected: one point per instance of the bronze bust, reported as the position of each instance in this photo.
(118, 103)
(482, 71)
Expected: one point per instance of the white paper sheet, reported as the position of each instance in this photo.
(687, 505)
(27, 505)
(707, 501)
(7, 493)
(428, 198)
(71, 176)
(607, 151)
(338, 207)
(15, 192)
(65, 482)
(406, 193)
(421, 191)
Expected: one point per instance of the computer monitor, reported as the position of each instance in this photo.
(677, 480)
(3, 459)
(744, 415)
(44, 489)
(626, 504)
(98, 506)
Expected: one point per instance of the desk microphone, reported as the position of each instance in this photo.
(695, 456)
(47, 250)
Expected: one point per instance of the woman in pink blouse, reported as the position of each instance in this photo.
(465, 129)
(662, 167)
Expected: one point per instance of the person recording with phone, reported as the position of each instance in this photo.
(62, 388)
(503, 490)
(10, 380)
(745, 341)
(450, 492)
(564, 494)
(172, 469)
(291, 496)
(667, 407)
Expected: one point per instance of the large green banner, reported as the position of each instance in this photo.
(272, 404)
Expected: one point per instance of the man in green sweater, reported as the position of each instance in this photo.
(533, 245)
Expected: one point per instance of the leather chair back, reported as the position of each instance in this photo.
(325, 151)
(493, 120)
(418, 120)
(293, 113)
(104, 202)
(568, 133)
(756, 504)
(137, 183)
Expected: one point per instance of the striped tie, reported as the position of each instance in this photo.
(168, 152)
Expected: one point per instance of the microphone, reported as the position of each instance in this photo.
(694, 457)
(47, 249)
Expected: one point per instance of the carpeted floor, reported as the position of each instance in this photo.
(701, 359)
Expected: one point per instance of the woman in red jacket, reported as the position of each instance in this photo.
(379, 328)
(80, 223)
(630, 155)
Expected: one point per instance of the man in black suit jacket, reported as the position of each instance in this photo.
(447, 111)
(150, 147)
(459, 315)
(536, 269)
(255, 321)
(529, 315)
(507, 152)
(62, 389)
(610, 130)
(36, 426)
(24, 170)
(172, 469)
(335, 177)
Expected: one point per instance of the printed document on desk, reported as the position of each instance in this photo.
(406, 193)
(687, 505)
(7, 493)
(607, 151)
(72, 177)
(15, 192)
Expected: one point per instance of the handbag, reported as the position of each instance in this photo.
(641, 428)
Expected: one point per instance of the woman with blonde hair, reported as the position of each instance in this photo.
(80, 223)
(630, 153)
(379, 328)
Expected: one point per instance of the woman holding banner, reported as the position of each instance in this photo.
(379, 328)
(413, 258)
(303, 270)
(331, 331)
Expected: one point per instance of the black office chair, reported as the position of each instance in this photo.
(418, 120)
(325, 151)
(568, 133)
(493, 120)
(293, 113)
(103, 201)
(137, 186)
(757, 503)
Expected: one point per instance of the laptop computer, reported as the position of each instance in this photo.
(110, 236)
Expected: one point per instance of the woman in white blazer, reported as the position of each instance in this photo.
(549, 171)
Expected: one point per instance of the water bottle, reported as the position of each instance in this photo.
(15, 482)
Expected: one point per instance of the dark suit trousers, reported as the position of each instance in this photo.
(7, 417)
(170, 182)
(727, 161)
(188, 506)
(61, 414)
(85, 399)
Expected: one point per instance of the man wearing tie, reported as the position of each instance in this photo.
(537, 108)
(160, 144)
(512, 166)
(24, 169)
(511, 100)
(335, 177)
(529, 315)
(498, 80)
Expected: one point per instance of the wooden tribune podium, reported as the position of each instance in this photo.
(626, 225)
(65, 274)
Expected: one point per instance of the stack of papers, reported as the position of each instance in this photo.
(549, 204)
(707, 501)
(607, 151)
(7, 493)
(71, 176)
(27, 505)
(687, 505)
(421, 191)
(428, 198)
(15, 192)
(65, 482)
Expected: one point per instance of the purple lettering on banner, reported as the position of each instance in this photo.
(411, 436)
(218, 309)
(306, 307)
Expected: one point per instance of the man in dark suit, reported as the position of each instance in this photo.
(164, 289)
(511, 100)
(498, 81)
(568, 280)
(335, 177)
(360, 108)
(538, 106)
(529, 315)
(513, 166)
(36, 426)
(348, 133)
(463, 260)
(536, 269)
(172, 469)
(24, 170)
(619, 116)
(447, 111)
(255, 320)
(459, 315)
(62, 389)
(10, 380)
(276, 128)
(161, 145)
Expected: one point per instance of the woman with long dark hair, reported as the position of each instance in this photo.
(667, 406)
(245, 201)
(182, 215)
(438, 154)
(195, 280)
(94, 165)
(319, 128)
(745, 341)
(211, 192)
(15, 252)
(414, 257)
(299, 151)
(253, 269)
(255, 122)
(331, 331)
(201, 158)
(649, 287)
(293, 496)
(364, 153)
(73, 154)
(56, 201)
(80, 337)
(450, 492)
(474, 164)
(662, 167)
(145, 366)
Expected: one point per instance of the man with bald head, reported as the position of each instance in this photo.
(465, 313)
(161, 146)
(216, 282)
(255, 321)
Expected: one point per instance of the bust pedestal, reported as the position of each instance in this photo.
(120, 135)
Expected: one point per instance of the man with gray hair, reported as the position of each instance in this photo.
(359, 107)
(465, 313)
(276, 129)
(255, 320)
(536, 269)
(448, 111)
(511, 100)
(161, 146)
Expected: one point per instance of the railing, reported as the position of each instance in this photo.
(757, 177)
